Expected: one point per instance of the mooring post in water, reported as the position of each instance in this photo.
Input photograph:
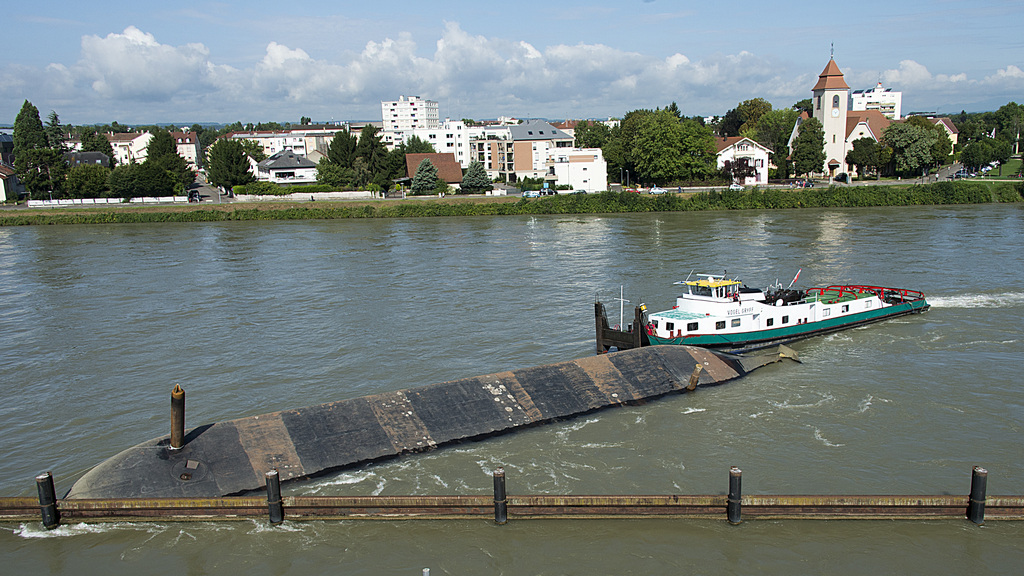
(734, 509)
(177, 417)
(500, 500)
(274, 505)
(976, 505)
(48, 501)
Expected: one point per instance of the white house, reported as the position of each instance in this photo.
(579, 168)
(737, 149)
(286, 167)
(129, 147)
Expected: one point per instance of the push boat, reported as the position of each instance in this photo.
(718, 312)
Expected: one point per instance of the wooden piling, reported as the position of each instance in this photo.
(177, 417)
(500, 498)
(48, 501)
(275, 506)
(976, 505)
(734, 506)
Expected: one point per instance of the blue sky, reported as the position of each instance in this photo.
(187, 61)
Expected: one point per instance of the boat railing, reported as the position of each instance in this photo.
(858, 290)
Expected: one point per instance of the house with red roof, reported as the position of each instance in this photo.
(745, 156)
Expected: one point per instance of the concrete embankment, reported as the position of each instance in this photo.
(233, 457)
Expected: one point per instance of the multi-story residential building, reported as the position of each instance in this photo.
(188, 147)
(129, 147)
(449, 137)
(578, 168)
(302, 141)
(408, 113)
(516, 151)
(885, 100)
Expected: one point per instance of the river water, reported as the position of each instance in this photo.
(98, 323)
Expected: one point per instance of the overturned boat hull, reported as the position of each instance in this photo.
(233, 457)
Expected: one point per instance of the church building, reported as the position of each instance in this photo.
(842, 126)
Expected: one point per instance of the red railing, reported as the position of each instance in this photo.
(856, 289)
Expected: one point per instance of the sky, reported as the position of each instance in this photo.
(184, 61)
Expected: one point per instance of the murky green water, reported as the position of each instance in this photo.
(98, 323)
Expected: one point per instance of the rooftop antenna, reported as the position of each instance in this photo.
(832, 50)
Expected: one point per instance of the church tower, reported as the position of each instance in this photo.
(829, 102)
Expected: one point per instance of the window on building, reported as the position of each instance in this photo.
(835, 101)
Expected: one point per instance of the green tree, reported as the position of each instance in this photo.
(809, 148)
(425, 180)
(56, 136)
(342, 149)
(93, 141)
(88, 181)
(253, 149)
(475, 181)
(804, 105)
(773, 131)
(590, 134)
(40, 168)
(137, 180)
(305, 121)
(415, 145)
(666, 148)
(162, 152)
(911, 146)
(331, 174)
(227, 164)
(864, 154)
(372, 150)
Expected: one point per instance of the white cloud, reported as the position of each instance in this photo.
(134, 65)
(132, 76)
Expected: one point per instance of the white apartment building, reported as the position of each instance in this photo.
(408, 113)
(579, 168)
(885, 100)
(451, 136)
(301, 141)
(516, 151)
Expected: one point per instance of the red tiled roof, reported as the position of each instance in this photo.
(876, 121)
(831, 78)
(6, 172)
(448, 168)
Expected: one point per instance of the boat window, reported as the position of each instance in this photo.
(670, 326)
(655, 323)
(846, 308)
(785, 319)
(691, 326)
(735, 322)
(702, 290)
(720, 325)
(826, 312)
(868, 304)
(771, 322)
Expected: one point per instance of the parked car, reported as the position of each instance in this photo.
(579, 191)
(531, 194)
(735, 186)
(658, 190)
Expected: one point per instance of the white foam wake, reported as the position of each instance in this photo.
(1004, 300)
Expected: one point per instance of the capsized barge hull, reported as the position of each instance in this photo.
(233, 457)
